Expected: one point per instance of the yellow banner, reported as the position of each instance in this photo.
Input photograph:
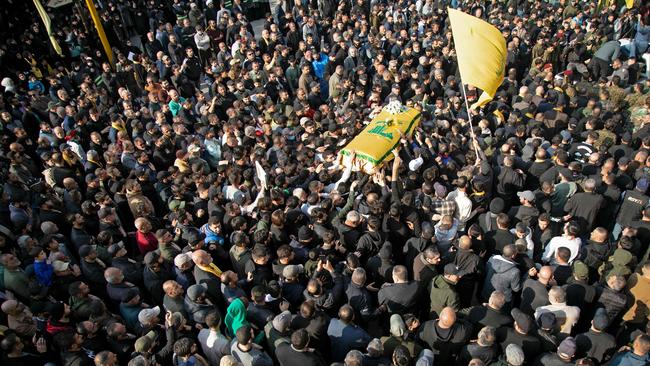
(374, 144)
(481, 53)
(48, 26)
(100, 31)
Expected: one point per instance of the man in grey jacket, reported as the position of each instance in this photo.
(600, 64)
(503, 274)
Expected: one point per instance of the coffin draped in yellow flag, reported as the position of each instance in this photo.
(481, 53)
(373, 146)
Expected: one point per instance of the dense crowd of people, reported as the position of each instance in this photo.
(184, 203)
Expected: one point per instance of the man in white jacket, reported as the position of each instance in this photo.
(202, 41)
(566, 316)
(569, 240)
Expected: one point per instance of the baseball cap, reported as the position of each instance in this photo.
(291, 271)
(194, 236)
(523, 320)
(527, 195)
(194, 291)
(567, 348)
(151, 258)
(130, 294)
(144, 343)
(282, 321)
(497, 205)
(147, 315)
(451, 269)
(114, 248)
(85, 250)
(546, 320)
(305, 234)
(175, 205)
(580, 270)
(642, 185)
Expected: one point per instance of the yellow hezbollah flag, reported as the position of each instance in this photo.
(48, 26)
(373, 145)
(481, 53)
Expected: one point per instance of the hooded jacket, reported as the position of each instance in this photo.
(502, 275)
(370, 243)
(445, 343)
(443, 294)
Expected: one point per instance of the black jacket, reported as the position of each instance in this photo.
(400, 298)
(288, 356)
(445, 343)
(533, 295)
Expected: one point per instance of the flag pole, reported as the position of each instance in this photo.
(100, 31)
(469, 116)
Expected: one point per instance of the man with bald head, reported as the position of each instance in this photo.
(535, 291)
(446, 334)
(205, 271)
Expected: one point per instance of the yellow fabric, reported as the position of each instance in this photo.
(100, 30)
(629, 4)
(481, 53)
(212, 268)
(374, 144)
(48, 26)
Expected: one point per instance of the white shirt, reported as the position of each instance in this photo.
(214, 344)
(561, 241)
(566, 316)
(463, 206)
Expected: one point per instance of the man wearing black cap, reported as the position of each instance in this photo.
(131, 269)
(92, 269)
(623, 149)
(520, 334)
(488, 221)
(155, 273)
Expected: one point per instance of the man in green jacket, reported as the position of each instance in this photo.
(442, 291)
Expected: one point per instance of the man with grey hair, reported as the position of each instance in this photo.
(359, 297)
(484, 348)
(584, 207)
(116, 287)
(566, 316)
(489, 314)
(353, 358)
